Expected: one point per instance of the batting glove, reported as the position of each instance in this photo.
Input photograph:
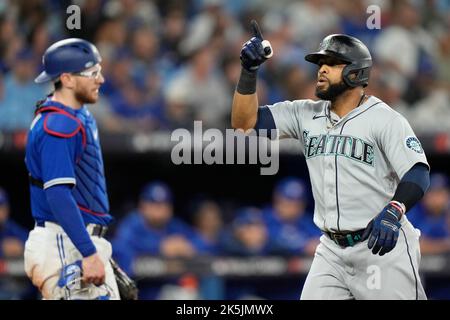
(255, 51)
(383, 230)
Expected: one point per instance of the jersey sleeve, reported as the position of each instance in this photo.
(287, 118)
(58, 160)
(401, 146)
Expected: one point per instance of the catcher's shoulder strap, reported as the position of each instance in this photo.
(60, 123)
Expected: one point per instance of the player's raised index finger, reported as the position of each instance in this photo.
(256, 31)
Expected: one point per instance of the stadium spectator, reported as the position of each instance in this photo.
(12, 239)
(200, 91)
(248, 235)
(10, 43)
(20, 93)
(356, 24)
(432, 216)
(135, 12)
(152, 229)
(443, 59)
(407, 36)
(208, 224)
(177, 68)
(172, 33)
(289, 223)
(12, 235)
(311, 20)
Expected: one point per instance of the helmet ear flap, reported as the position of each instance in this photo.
(347, 73)
(364, 76)
(355, 77)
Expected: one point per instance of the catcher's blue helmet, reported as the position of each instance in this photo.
(69, 55)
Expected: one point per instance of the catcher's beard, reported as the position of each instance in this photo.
(332, 92)
(84, 96)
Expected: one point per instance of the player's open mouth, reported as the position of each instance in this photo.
(322, 80)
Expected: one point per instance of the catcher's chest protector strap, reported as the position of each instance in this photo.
(62, 124)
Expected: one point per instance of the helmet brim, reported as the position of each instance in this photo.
(316, 56)
(43, 77)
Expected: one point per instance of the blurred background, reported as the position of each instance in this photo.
(218, 231)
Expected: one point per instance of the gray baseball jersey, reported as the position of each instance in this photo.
(355, 162)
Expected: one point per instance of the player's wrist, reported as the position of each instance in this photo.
(400, 208)
(247, 82)
(87, 249)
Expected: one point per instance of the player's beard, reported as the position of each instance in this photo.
(332, 92)
(85, 96)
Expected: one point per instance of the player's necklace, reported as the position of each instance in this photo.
(332, 122)
(361, 100)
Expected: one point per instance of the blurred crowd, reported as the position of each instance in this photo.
(167, 63)
(282, 227)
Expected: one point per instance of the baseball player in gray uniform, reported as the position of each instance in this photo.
(366, 165)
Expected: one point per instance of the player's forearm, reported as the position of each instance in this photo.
(244, 112)
(245, 102)
(64, 208)
(413, 186)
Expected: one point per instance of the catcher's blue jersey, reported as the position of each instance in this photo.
(63, 148)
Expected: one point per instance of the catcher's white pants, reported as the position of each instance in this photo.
(48, 250)
(356, 273)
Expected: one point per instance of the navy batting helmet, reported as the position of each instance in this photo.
(350, 51)
(69, 55)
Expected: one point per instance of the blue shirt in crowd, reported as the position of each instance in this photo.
(10, 229)
(290, 238)
(135, 237)
(430, 226)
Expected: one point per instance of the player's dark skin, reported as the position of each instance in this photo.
(245, 107)
(330, 72)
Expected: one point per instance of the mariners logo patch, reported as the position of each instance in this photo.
(414, 144)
